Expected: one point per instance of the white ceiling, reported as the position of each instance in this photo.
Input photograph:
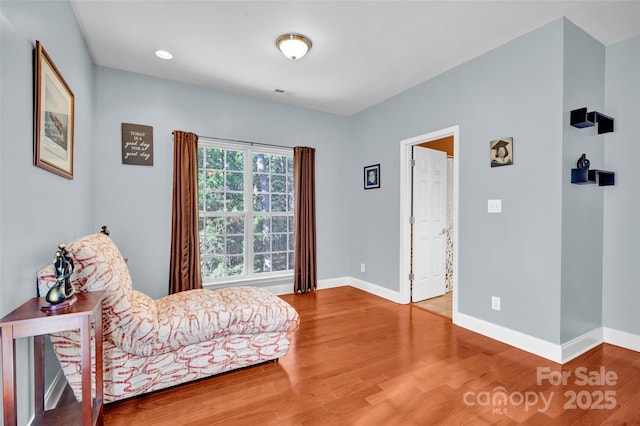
(363, 51)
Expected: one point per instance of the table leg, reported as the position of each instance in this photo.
(99, 356)
(85, 366)
(38, 368)
(8, 376)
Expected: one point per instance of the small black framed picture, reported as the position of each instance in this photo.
(372, 176)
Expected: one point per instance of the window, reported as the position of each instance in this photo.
(245, 197)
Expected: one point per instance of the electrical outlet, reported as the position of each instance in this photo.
(362, 267)
(495, 303)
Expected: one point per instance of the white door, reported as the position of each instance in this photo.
(430, 213)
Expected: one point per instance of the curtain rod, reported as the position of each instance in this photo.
(245, 142)
(248, 142)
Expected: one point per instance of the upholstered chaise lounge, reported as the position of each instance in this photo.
(150, 345)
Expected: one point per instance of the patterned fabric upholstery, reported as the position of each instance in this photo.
(150, 345)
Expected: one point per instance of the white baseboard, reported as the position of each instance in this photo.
(288, 288)
(333, 282)
(511, 337)
(554, 352)
(621, 338)
(53, 394)
(375, 289)
(280, 289)
(581, 344)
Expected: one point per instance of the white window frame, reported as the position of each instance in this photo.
(249, 276)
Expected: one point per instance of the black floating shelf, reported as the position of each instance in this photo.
(580, 176)
(592, 176)
(580, 118)
(602, 177)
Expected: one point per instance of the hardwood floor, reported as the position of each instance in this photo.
(441, 305)
(361, 360)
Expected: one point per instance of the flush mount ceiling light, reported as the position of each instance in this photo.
(293, 46)
(163, 54)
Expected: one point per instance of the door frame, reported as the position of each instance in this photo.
(405, 209)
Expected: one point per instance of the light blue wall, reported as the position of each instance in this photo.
(621, 274)
(514, 90)
(582, 205)
(529, 255)
(135, 201)
(39, 209)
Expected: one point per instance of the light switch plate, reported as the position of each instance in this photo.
(494, 206)
(495, 303)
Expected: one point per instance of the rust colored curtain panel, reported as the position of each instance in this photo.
(304, 272)
(184, 267)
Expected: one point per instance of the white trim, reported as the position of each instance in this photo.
(279, 289)
(377, 290)
(621, 338)
(252, 280)
(514, 338)
(404, 293)
(557, 353)
(322, 284)
(371, 288)
(405, 213)
(581, 344)
(53, 394)
(334, 282)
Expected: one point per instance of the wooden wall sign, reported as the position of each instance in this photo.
(137, 144)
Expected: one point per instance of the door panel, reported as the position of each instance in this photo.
(430, 212)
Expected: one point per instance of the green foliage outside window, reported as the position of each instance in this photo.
(225, 240)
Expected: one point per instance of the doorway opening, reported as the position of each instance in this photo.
(438, 262)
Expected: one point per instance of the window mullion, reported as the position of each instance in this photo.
(248, 206)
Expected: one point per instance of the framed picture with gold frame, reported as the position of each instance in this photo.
(53, 117)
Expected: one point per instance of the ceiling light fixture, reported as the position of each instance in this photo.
(293, 46)
(163, 54)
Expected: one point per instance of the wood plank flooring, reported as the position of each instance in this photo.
(441, 305)
(361, 360)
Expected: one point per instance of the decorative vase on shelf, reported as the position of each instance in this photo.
(583, 162)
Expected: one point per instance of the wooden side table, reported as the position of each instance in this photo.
(28, 320)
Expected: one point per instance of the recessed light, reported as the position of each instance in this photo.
(163, 54)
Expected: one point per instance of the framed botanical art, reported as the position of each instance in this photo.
(372, 176)
(53, 117)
